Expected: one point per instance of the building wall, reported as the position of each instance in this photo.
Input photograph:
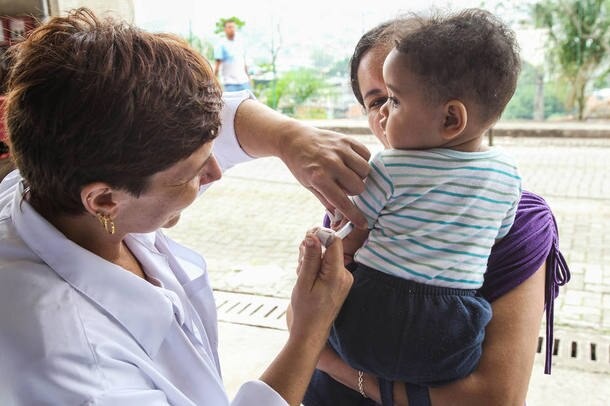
(17, 7)
(120, 8)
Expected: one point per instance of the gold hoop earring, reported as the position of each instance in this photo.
(106, 222)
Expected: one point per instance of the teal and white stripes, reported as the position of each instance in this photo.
(434, 215)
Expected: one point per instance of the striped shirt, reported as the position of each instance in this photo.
(434, 215)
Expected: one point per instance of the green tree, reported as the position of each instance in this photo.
(303, 83)
(340, 67)
(220, 24)
(264, 87)
(204, 47)
(521, 106)
(554, 95)
(292, 89)
(578, 36)
(270, 92)
(321, 58)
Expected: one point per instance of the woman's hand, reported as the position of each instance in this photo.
(322, 285)
(331, 165)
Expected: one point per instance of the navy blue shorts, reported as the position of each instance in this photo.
(404, 331)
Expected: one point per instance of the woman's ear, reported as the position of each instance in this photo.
(455, 119)
(99, 197)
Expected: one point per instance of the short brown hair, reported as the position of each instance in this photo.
(470, 55)
(100, 100)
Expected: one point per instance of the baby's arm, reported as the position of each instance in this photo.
(352, 238)
(352, 243)
(377, 190)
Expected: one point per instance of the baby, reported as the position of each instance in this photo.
(436, 201)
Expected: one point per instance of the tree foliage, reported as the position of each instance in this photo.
(521, 106)
(220, 24)
(303, 83)
(271, 92)
(204, 47)
(291, 89)
(579, 38)
(320, 57)
(339, 67)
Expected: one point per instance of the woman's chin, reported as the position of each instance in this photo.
(172, 221)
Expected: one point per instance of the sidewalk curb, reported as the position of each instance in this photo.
(501, 129)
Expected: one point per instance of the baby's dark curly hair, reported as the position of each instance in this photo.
(471, 56)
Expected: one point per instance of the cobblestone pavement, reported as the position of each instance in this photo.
(250, 223)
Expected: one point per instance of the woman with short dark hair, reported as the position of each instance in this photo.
(115, 131)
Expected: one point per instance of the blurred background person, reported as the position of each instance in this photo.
(230, 58)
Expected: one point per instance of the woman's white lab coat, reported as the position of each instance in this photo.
(78, 330)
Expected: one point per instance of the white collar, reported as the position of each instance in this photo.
(136, 304)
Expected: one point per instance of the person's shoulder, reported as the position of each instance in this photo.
(533, 206)
(383, 157)
(534, 223)
(219, 43)
(46, 354)
(396, 157)
(500, 156)
(44, 330)
(395, 153)
(47, 304)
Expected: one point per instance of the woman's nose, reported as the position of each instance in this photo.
(212, 172)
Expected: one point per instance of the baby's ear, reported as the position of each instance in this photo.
(455, 119)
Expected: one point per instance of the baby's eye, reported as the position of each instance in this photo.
(376, 104)
(393, 101)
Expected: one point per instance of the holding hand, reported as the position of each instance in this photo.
(322, 285)
(331, 165)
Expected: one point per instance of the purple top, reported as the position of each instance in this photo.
(534, 237)
(532, 240)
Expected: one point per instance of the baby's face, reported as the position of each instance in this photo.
(408, 119)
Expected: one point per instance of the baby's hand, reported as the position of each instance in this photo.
(337, 219)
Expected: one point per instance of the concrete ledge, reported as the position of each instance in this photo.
(552, 129)
(502, 129)
(353, 127)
